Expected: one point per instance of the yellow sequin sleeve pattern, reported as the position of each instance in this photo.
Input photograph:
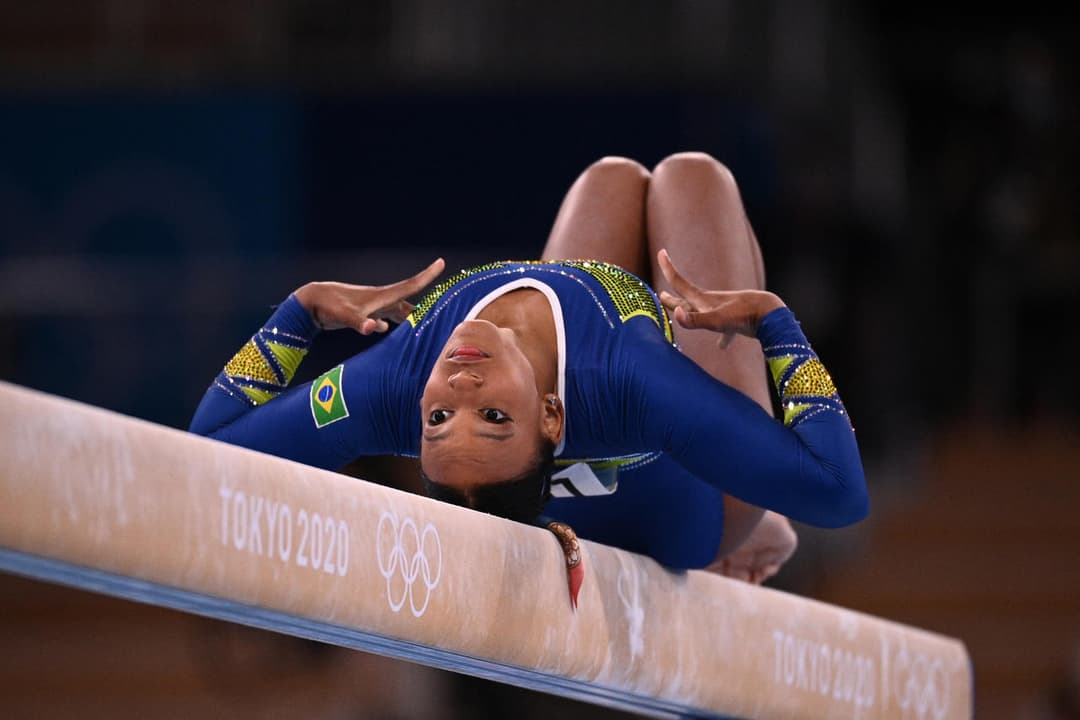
(264, 367)
(804, 385)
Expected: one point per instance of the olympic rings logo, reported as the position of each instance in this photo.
(920, 685)
(415, 556)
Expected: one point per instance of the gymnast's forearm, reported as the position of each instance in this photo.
(260, 371)
(814, 413)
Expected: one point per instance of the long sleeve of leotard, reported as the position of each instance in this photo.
(342, 414)
(806, 467)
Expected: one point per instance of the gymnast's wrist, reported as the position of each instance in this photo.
(765, 302)
(779, 327)
(307, 296)
(312, 298)
(292, 317)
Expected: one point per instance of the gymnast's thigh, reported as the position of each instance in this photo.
(659, 510)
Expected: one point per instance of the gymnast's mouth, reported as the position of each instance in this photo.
(468, 353)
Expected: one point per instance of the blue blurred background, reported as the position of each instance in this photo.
(169, 170)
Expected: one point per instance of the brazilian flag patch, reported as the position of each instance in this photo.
(327, 400)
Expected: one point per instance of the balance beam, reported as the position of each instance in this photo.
(100, 501)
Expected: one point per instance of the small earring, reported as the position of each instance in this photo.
(553, 400)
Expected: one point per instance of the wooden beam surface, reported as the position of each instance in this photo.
(100, 500)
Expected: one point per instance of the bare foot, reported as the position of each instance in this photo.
(771, 544)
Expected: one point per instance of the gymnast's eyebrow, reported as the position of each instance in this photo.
(501, 437)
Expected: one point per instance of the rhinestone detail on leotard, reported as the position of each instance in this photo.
(804, 385)
(264, 366)
(627, 293)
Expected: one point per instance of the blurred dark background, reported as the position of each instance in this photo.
(169, 170)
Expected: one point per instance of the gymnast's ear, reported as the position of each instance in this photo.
(551, 420)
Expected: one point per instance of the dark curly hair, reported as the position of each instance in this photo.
(520, 498)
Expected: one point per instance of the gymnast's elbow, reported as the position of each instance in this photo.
(848, 503)
(857, 506)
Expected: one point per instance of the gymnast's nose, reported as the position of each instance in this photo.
(465, 380)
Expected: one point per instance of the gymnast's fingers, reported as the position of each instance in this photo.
(683, 317)
(693, 320)
(395, 311)
(373, 325)
(357, 319)
(416, 283)
(671, 302)
(401, 311)
(679, 283)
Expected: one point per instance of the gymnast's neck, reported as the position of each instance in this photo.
(528, 314)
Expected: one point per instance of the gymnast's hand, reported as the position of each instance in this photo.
(364, 308)
(728, 312)
(763, 553)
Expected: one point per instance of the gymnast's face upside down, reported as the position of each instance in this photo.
(485, 420)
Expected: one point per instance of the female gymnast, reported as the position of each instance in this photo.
(560, 387)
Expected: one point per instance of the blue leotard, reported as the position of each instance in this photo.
(661, 437)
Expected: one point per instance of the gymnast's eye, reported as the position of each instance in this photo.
(492, 415)
(437, 417)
